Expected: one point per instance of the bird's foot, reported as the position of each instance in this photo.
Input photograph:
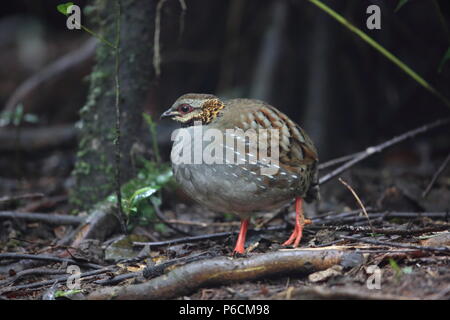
(295, 237)
(300, 222)
(239, 248)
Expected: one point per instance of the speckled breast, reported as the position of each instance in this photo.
(230, 187)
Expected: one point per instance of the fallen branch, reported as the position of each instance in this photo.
(31, 139)
(21, 196)
(100, 224)
(218, 271)
(46, 203)
(55, 219)
(399, 245)
(58, 67)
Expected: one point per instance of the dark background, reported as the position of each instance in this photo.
(289, 53)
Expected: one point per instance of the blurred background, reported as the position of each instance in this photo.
(287, 52)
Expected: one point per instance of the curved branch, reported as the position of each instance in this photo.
(380, 147)
(188, 278)
(64, 63)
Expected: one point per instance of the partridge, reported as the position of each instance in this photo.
(275, 162)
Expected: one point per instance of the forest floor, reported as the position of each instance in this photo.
(402, 253)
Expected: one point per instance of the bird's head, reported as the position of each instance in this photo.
(193, 107)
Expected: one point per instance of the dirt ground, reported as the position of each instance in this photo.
(392, 195)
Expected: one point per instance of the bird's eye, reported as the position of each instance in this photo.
(185, 108)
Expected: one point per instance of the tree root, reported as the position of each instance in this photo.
(101, 223)
(218, 271)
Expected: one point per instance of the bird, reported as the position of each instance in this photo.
(243, 183)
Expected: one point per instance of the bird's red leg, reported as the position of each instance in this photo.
(241, 238)
(300, 221)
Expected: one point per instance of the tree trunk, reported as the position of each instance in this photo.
(95, 166)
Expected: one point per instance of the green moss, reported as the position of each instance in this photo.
(98, 76)
(92, 100)
(82, 168)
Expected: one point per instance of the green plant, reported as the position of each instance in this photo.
(142, 193)
(64, 7)
(17, 117)
(410, 72)
(399, 272)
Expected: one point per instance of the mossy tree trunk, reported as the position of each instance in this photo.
(95, 166)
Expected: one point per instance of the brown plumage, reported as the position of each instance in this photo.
(243, 188)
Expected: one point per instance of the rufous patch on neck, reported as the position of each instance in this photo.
(210, 110)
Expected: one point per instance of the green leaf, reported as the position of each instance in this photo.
(61, 293)
(63, 7)
(444, 60)
(143, 193)
(30, 118)
(6, 118)
(400, 4)
(395, 267)
(17, 116)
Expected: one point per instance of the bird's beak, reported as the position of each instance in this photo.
(168, 114)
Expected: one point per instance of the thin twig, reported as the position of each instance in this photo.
(436, 175)
(161, 217)
(55, 219)
(275, 216)
(158, 269)
(118, 279)
(118, 121)
(53, 281)
(347, 218)
(155, 270)
(399, 245)
(402, 232)
(30, 272)
(205, 224)
(21, 196)
(339, 160)
(203, 237)
(156, 46)
(340, 218)
(22, 256)
(358, 200)
(380, 147)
